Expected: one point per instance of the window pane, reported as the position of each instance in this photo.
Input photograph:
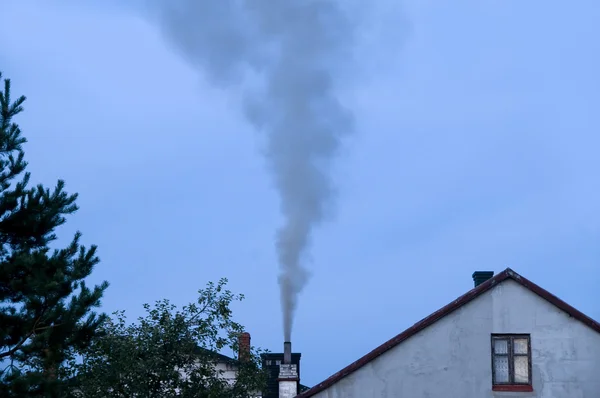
(521, 369)
(500, 346)
(501, 369)
(520, 346)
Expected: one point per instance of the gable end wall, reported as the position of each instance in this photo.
(452, 357)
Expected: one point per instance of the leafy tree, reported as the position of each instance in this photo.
(45, 306)
(171, 353)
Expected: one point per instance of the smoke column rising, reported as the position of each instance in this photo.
(295, 47)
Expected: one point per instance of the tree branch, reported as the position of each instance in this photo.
(34, 331)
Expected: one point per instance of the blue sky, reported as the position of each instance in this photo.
(475, 149)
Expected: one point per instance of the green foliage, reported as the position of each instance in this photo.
(45, 306)
(171, 353)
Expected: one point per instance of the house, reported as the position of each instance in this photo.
(225, 366)
(271, 362)
(507, 337)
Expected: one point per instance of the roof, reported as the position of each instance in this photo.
(278, 355)
(304, 388)
(442, 312)
(216, 355)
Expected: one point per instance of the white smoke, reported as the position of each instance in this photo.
(296, 47)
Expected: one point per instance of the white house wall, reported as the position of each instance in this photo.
(227, 371)
(452, 357)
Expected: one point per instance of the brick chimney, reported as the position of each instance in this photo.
(481, 276)
(244, 346)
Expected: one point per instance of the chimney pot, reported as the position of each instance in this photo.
(287, 352)
(244, 346)
(481, 276)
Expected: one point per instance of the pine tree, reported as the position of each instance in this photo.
(46, 309)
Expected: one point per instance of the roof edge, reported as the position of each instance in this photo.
(446, 310)
(552, 299)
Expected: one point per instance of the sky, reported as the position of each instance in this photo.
(475, 149)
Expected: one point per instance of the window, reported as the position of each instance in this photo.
(511, 362)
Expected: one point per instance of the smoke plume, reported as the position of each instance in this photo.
(294, 48)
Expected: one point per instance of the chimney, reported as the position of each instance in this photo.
(244, 346)
(288, 374)
(481, 276)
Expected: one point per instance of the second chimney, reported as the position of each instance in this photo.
(481, 276)
(244, 346)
